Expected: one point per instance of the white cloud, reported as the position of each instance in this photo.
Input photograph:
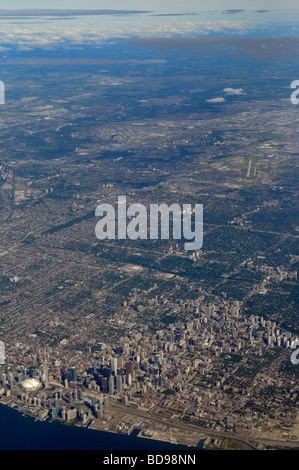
(216, 100)
(234, 91)
(96, 30)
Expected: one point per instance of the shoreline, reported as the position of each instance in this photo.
(125, 440)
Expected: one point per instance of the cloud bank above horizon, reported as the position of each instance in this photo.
(48, 32)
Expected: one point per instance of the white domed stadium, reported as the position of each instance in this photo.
(30, 385)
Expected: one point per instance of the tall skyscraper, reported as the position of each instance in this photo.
(111, 385)
(114, 365)
(128, 367)
(119, 384)
(74, 375)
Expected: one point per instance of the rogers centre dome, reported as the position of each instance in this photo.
(31, 385)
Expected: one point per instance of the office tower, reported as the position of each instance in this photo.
(11, 382)
(120, 363)
(104, 384)
(73, 372)
(111, 385)
(114, 365)
(119, 384)
(128, 367)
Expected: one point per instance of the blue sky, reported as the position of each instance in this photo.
(159, 5)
